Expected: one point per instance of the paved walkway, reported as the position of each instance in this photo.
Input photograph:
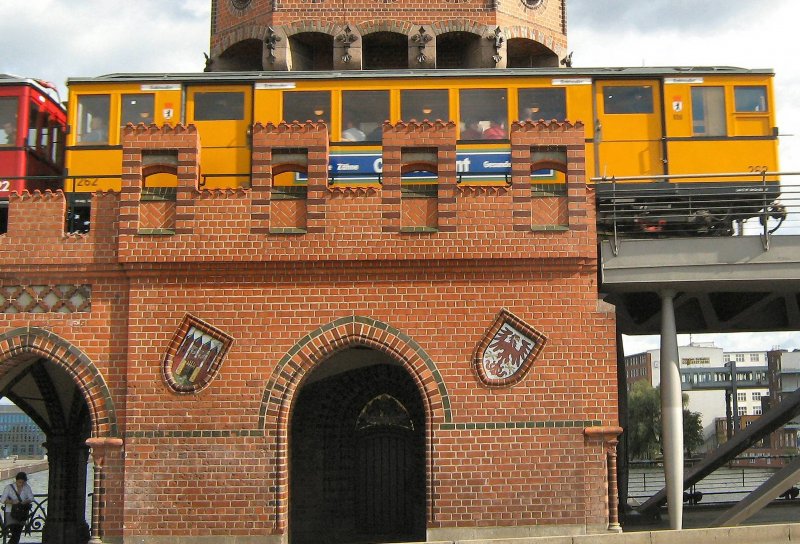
(778, 512)
(10, 467)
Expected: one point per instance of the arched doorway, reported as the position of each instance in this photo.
(357, 453)
(48, 395)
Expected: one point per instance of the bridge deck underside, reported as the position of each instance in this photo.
(722, 284)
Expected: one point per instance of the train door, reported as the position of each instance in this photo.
(628, 128)
(222, 115)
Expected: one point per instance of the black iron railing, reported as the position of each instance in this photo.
(35, 523)
(750, 203)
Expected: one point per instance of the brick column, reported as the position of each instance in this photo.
(310, 137)
(424, 135)
(181, 141)
(608, 435)
(100, 448)
(529, 135)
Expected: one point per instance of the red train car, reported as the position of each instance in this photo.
(32, 130)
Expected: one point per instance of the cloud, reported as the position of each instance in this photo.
(762, 341)
(662, 16)
(54, 40)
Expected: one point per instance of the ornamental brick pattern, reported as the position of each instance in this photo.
(353, 281)
(232, 27)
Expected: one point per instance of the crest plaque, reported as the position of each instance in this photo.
(195, 355)
(507, 351)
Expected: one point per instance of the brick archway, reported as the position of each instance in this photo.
(319, 345)
(33, 342)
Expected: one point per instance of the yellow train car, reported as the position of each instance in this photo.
(646, 128)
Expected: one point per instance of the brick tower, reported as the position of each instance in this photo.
(386, 34)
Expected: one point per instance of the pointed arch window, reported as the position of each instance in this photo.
(384, 411)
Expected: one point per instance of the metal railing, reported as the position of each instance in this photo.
(725, 204)
(36, 520)
(728, 484)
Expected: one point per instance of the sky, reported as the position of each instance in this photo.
(56, 39)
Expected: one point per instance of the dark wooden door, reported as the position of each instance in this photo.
(387, 481)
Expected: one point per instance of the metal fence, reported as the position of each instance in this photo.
(726, 484)
(699, 205)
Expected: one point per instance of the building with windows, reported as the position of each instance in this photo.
(19, 434)
(706, 378)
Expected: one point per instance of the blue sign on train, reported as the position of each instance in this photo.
(368, 166)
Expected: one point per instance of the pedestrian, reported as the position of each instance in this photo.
(17, 493)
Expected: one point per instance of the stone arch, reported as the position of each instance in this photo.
(458, 25)
(316, 347)
(308, 25)
(384, 44)
(34, 342)
(459, 44)
(529, 53)
(236, 35)
(243, 55)
(382, 25)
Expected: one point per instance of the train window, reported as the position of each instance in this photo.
(751, 99)
(483, 114)
(220, 106)
(137, 108)
(307, 106)
(628, 99)
(363, 114)
(34, 128)
(424, 104)
(8, 120)
(547, 104)
(708, 111)
(93, 113)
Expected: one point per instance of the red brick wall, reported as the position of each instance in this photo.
(513, 456)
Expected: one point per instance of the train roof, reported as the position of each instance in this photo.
(616, 73)
(44, 87)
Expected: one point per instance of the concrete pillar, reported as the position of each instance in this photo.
(671, 411)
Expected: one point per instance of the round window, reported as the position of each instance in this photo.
(533, 3)
(240, 4)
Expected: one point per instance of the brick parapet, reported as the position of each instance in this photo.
(36, 234)
(345, 224)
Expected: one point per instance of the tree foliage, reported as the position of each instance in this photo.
(644, 423)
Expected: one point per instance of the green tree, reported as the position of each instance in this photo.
(644, 423)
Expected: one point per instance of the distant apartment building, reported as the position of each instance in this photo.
(705, 379)
(19, 435)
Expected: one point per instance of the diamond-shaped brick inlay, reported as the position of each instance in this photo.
(41, 299)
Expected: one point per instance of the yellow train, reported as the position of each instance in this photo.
(673, 130)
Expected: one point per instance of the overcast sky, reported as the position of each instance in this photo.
(56, 39)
